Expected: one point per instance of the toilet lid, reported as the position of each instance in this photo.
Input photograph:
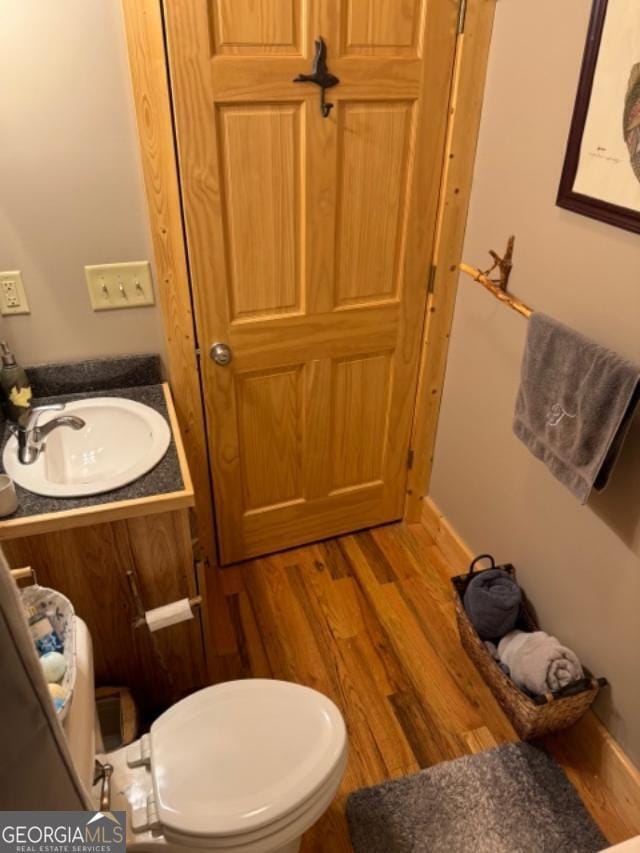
(238, 756)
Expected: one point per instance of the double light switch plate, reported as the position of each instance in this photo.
(120, 285)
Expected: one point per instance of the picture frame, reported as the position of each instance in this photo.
(601, 176)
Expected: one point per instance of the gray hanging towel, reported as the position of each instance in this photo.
(575, 404)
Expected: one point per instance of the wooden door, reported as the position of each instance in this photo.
(309, 241)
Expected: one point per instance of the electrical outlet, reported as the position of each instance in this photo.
(10, 293)
(120, 285)
(13, 299)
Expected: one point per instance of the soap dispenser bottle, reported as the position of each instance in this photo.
(15, 384)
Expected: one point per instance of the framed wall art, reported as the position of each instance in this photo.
(601, 174)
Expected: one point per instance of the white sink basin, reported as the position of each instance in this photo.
(121, 441)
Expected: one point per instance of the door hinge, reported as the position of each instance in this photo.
(410, 455)
(462, 16)
(431, 283)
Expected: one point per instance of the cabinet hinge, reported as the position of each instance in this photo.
(462, 16)
(431, 283)
(410, 456)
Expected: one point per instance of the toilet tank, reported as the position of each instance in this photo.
(80, 725)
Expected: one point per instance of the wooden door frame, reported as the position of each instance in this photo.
(144, 29)
(148, 65)
(465, 110)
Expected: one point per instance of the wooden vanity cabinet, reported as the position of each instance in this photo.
(90, 564)
(114, 560)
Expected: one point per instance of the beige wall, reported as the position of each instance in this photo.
(70, 179)
(580, 565)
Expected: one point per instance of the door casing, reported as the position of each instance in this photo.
(148, 62)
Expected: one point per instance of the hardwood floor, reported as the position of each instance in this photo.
(368, 620)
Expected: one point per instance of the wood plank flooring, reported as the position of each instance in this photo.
(368, 620)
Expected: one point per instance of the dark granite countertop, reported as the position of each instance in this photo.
(91, 375)
(164, 478)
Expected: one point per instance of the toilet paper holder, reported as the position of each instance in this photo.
(194, 601)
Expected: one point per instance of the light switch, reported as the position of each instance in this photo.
(120, 285)
(13, 299)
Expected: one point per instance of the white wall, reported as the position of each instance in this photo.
(71, 188)
(580, 565)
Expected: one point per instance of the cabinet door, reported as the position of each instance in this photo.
(89, 565)
(310, 240)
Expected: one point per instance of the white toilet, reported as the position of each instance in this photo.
(246, 767)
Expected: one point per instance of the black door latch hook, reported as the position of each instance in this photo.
(320, 76)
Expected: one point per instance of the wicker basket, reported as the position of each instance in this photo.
(531, 718)
(62, 615)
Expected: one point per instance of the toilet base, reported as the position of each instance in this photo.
(294, 847)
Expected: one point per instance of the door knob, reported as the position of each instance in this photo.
(221, 354)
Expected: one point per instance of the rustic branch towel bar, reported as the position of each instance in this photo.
(499, 288)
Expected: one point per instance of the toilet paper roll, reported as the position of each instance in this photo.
(169, 614)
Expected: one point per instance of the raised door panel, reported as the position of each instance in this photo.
(360, 414)
(375, 154)
(260, 153)
(256, 27)
(270, 414)
(382, 27)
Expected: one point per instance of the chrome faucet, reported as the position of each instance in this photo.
(31, 436)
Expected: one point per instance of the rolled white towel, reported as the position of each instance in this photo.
(539, 662)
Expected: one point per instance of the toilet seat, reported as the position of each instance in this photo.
(244, 760)
(291, 826)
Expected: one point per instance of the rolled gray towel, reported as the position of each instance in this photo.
(492, 601)
(539, 662)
